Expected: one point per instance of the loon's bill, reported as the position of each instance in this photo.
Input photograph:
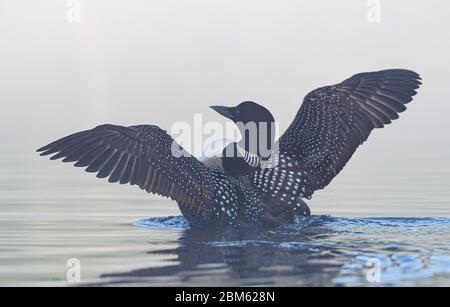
(330, 125)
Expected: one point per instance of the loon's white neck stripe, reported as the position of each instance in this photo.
(250, 158)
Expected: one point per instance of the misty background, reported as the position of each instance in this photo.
(159, 62)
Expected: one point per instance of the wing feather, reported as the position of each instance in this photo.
(334, 121)
(139, 155)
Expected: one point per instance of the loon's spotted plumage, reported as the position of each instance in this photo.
(330, 125)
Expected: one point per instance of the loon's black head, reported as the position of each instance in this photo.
(256, 124)
(246, 112)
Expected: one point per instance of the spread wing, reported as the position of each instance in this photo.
(140, 155)
(334, 120)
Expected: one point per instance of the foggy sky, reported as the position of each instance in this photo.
(158, 62)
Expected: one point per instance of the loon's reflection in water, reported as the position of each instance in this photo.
(247, 256)
(317, 251)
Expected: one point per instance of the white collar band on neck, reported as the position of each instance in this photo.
(250, 158)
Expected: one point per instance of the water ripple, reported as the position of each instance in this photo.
(409, 250)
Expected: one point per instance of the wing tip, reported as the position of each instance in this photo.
(43, 149)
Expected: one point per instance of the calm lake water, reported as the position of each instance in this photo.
(397, 218)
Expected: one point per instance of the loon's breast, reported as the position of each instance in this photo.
(213, 153)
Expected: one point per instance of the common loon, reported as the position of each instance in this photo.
(330, 125)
